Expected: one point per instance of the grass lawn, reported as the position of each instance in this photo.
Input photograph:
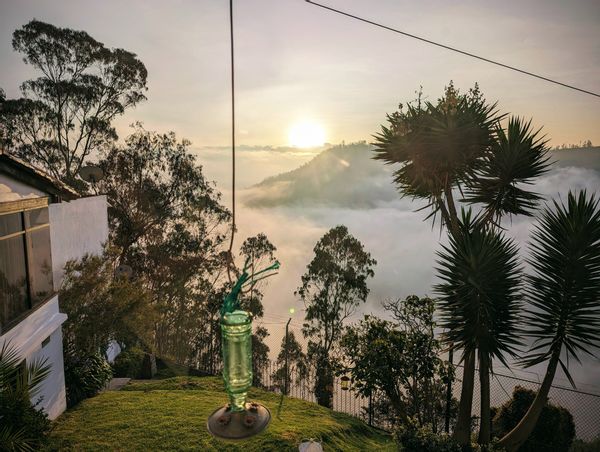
(171, 414)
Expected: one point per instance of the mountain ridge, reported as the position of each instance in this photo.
(346, 175)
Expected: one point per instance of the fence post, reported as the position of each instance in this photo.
(449, 393)
(285, 381)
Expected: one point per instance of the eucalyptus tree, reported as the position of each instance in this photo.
(65, 114)
(168, 222)
(334, 284)
(170, 226)
(564, 296)
(458, 150)
(292, 368)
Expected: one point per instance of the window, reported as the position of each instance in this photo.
(25, 259)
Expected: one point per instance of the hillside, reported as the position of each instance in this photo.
(342, 175)
(171, 414)
(347, 176)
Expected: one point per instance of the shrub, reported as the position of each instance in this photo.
(128, 364)
(583, 446)
(102, 307)
(554, 431)
(400, 360)
(85, 377)
(411, 438)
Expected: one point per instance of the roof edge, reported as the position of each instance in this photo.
(29, 174)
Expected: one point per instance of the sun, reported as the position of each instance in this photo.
(306, 134)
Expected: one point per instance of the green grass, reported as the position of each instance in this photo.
(171, 414)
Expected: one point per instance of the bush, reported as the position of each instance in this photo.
(85, 376)
(583, 446)
(128, 363)
(411, 438)
(554, 431)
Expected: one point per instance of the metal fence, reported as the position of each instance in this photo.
(584, 406)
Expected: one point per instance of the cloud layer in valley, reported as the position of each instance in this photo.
(390, 229)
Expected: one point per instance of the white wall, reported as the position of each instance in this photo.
(27, 338)
(113, 350)
(52, 390)
(76, 228)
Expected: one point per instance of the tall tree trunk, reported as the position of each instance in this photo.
(462, 431)
(518, 435)
(484, 383)
(324, 384)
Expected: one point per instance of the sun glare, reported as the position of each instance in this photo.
(306, 134)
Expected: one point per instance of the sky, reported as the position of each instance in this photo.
(296, 61)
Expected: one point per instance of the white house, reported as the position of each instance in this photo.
(43, 224)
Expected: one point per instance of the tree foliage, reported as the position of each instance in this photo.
(564, 307)
(297, 366)
(333, 286)
(480, 302)
(480, 291)
(170, 226)
(168, 220)
(65, 114)
(102, 307)
(400, 358)
(459, 143)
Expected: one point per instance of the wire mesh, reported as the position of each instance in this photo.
(583, 406)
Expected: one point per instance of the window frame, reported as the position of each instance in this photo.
(21, 207)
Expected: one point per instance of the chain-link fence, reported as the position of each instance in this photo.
(583, 406)
(299, 382)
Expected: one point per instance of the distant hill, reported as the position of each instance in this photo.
(347, 176)
(578, 157)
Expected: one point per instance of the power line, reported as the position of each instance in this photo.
(428, 41)
(233, 226)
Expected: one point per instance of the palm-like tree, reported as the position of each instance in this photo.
(564, 295)
(459, 145)
(517, 157)
(439, 147)
(480, 301)
(18, 383)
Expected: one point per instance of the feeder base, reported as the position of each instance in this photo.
(232, 425)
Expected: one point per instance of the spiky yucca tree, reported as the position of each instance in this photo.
(460, 145)
(564, 296)
(479, 302)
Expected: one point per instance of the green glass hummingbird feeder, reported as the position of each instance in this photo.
(238, 419)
